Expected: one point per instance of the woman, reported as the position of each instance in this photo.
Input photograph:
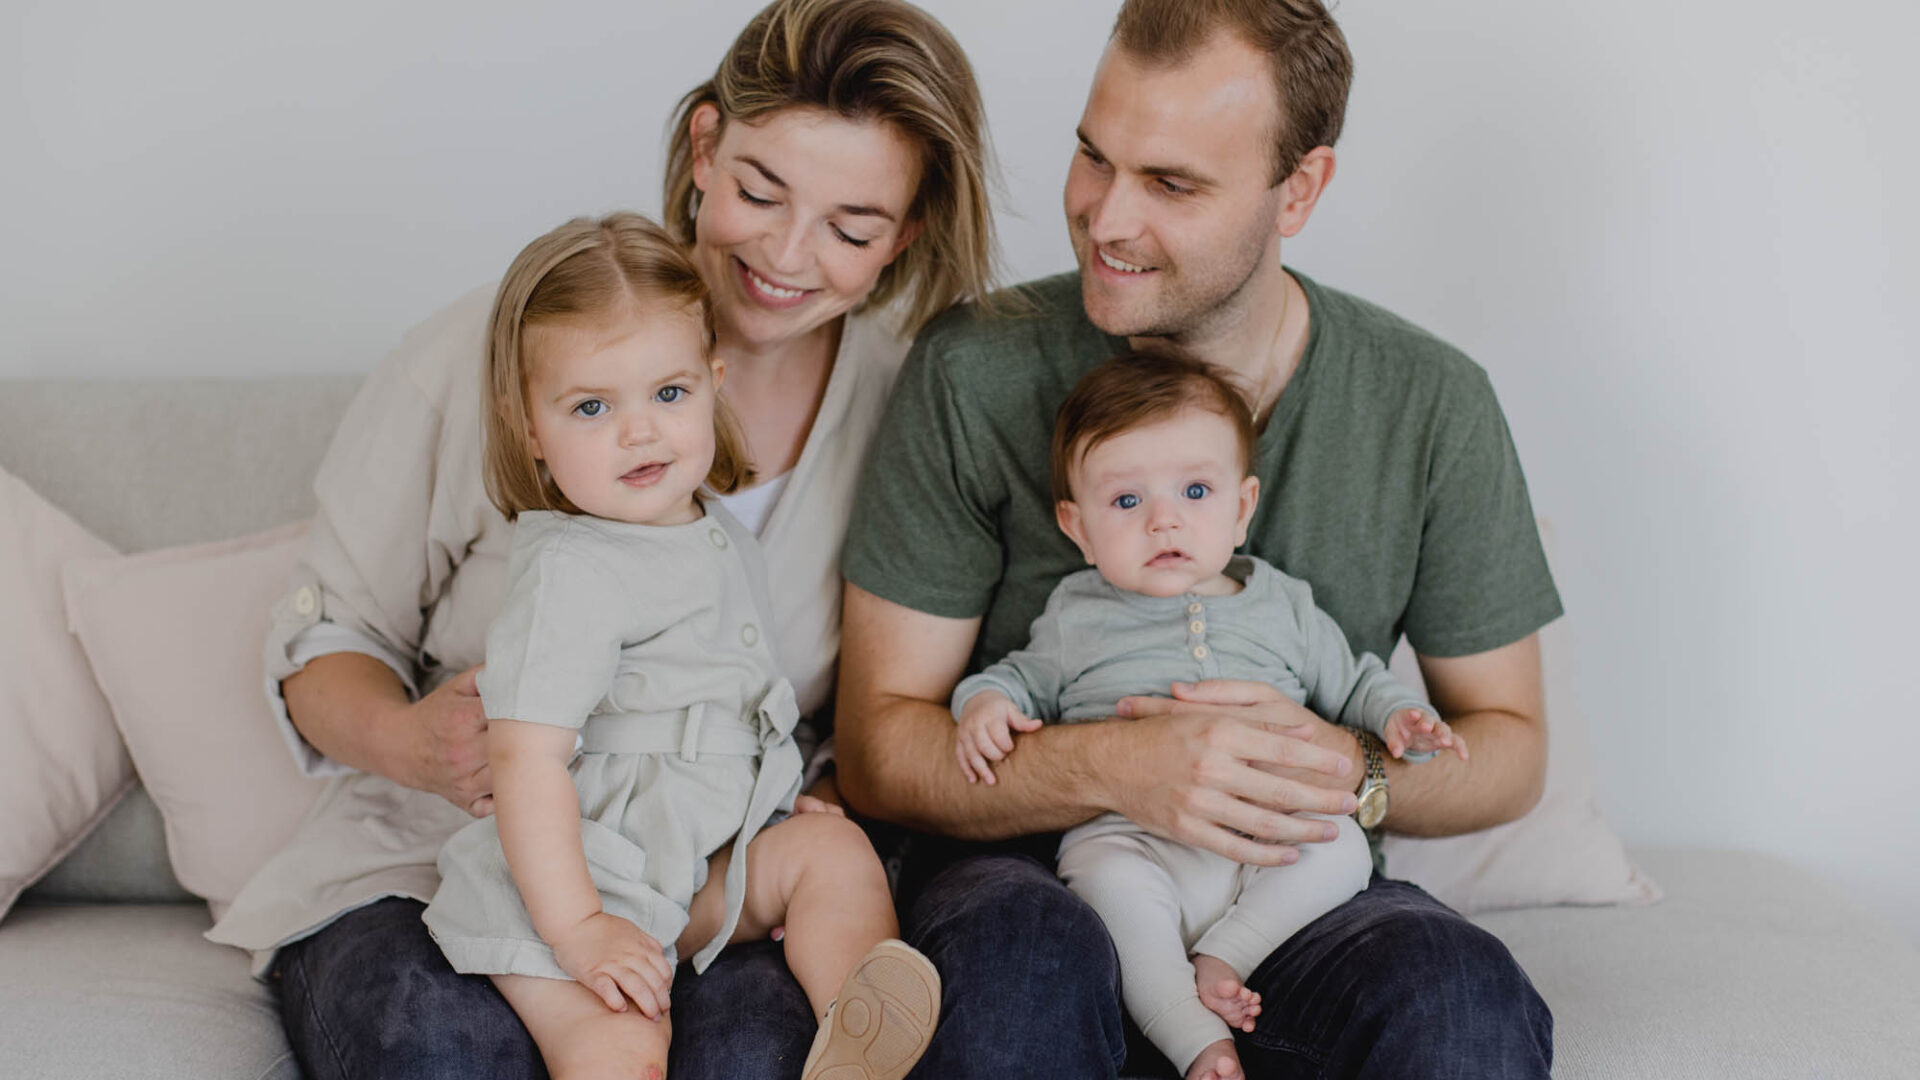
(831, 181)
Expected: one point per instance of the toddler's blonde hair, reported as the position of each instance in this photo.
(585, 269)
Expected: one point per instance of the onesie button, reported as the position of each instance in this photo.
(1196, 626)
(749, 634)
(1194, 608)
(1199, 652)
(719, 539)
(305, 601)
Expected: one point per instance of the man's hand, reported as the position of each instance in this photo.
(1210, 773)
(1256, 701)
(984, 733)
(616, 960)
(447, 747)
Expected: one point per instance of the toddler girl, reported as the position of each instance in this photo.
(1151, 455)
(637, 725)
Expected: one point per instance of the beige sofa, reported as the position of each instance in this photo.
(1749, 968)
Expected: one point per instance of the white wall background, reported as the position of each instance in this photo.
(1680, 235)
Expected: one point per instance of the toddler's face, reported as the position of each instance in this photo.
(622, 412)
(1161, 508)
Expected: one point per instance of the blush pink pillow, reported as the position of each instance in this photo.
(175, 639)
(63, 766)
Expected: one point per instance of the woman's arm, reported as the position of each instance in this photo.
(354, 709)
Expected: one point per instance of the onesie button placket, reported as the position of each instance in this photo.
(1197, 639)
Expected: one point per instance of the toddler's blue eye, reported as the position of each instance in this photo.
(1197, 490)
(1127, 502)
(591, 408)
(667, 395)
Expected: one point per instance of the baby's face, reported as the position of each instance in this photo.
(1161, 508)
(622, 412)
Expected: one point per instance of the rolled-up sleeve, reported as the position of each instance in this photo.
(392, 518)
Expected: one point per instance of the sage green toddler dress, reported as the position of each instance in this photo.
(651, 642)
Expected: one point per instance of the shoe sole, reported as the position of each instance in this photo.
(884, 1018)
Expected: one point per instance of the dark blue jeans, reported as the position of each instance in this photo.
(1392, 983)
(1028, 977)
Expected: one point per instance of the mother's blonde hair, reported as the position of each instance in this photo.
(878, 60)
(585, 269)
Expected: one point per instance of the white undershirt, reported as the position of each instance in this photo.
(755, 505)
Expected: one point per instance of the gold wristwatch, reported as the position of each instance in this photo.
(1373, 789)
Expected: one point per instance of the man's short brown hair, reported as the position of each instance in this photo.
(1138, 388)
(1312, 69)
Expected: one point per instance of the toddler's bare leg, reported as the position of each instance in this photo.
(877, 998)
(818, 875)
(582, 1039)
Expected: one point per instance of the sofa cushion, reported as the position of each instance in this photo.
(126, 990)
(63, 767)
(174, 636)
(1750, 968)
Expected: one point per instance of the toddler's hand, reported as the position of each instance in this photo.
(985, 733)
(616, 960)
(1419, 731)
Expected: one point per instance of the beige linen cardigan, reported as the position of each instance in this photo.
(407, 563)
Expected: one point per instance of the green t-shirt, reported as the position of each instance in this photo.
(1389, 480)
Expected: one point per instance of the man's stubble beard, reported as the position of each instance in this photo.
(1189, 304)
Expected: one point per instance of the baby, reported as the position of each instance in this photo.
(1151, 455)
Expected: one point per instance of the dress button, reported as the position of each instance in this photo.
(1196, 626)
(1199, 652)
(749, 634)
(719, 539)
(304, 601)
(1194, 608)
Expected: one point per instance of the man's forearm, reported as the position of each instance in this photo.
(337, 702)
(1447, 796)
(899, 766)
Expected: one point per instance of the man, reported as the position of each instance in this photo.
(1389, 483)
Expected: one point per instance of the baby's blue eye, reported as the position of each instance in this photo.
(667, 395)
(1127, 502)
(591, 408)
(1197, 490)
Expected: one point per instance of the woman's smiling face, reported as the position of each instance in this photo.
(799, 214)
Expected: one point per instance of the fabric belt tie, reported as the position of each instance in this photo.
(695, 730)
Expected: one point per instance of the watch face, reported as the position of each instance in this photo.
(1373, 806)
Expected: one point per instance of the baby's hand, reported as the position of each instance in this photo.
(1419, 731)
(616, 960)
(985, 733)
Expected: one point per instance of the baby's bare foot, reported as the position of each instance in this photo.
(1221, 991)
(1218, 1061)
(1224, 992)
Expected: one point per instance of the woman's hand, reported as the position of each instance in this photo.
(617, 961)
(447, 747)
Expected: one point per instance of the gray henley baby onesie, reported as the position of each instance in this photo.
(650, 641)
(1161, 900)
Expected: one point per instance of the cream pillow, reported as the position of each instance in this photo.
(1560, 852)
(63, 767)
(174, 637)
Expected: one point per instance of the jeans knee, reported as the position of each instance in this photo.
(1008, 920)
(1460, 979)
(1030, 979)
